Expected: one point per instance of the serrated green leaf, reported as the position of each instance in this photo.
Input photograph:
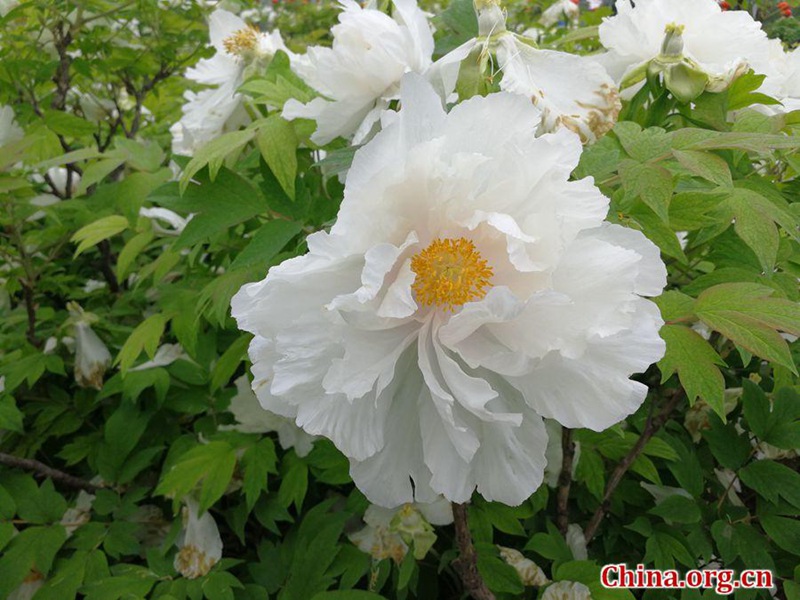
(748, 315)
(99, 230)
(214, 153)
(772, 480)
(277, 141)
(145, 337)
(652, 184)
(696, 363)
(706, 165)
(266, 243)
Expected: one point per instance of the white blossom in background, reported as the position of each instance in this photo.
(10, 131)
(158, 215)
(467, 290)
(78, 515)
(529, 572)
(712, 46)
(165, 355)
(92, 357)
(92, 285)
(29, 586)
(784, 83)
(572, 91)
(389, 532)
(559, 11)
(567, 590)
(210, 113)
(360, 75)
(729, 480)
(554, 453)
(199, 543)
(577, 542)
(252, 418)
(697, 417)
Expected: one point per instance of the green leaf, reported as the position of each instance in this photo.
(10, 415)
(642, 145)
(664, 548)
(591, 472)
(677, 509)
(210, 465)
(145, 337)
(500, 577)
(266, 243)
(675, 306)
(294, 485)
(99, 230)
(756, 229)
(33, 547)
(746, 314)
(131, 250)
(278, 84)
(650, 183)
(784, 532)
(278, 142)
(347, 595)
(706, 165)
(772, 480)
(229, 361)
(257, 461)
(214, 153)
(696, 363)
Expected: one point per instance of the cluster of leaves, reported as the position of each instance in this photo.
(716, 186)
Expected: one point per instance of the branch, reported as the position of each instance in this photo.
(651, 427)
(30, 309)
(565, 479)
(467, 563)
(107, 266)
(29, 464)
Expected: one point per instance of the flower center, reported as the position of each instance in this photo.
(450, 272)
(242, 41)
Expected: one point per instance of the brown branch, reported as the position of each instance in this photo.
(565, 479)
(39, 468)
(107, 266)
(467, 563)
(30, 309)
(652, 425)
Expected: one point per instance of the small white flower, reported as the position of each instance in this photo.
(467, 289)
(252, 418)
(360, 75)
(200, 545)
(529, 572)
(715, 43)
(92, 285)
(555, 453)
(78, 515)
(9, 130)
(389, 532)
(212, 112)
(157, 214)
(577, 542)
(567, 590)
(92, 357)
(164, 356)
(662, 492)
(572, 91)
(559, 11)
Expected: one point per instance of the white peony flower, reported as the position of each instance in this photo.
(571, 91)
(567, 590)
(559, 11)
(360, 75)
(784, 84)
(717, 44)
(92, 357)
(554, 453)
(200, 545)
(252, 418)
(529, 572)
(9, 130)
(388, 532)
(212, 112)
(164, 356)
(160, 215)
(467, 290)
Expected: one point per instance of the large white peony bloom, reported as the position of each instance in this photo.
(572, 91)
(360, 75)
(467, 290)
(210, 113)
(722, 44)
(784, 85)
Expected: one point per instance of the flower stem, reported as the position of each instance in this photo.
(467, 563)
(565, 479)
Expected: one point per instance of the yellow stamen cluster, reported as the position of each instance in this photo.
(450, 272)
(241, 41)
